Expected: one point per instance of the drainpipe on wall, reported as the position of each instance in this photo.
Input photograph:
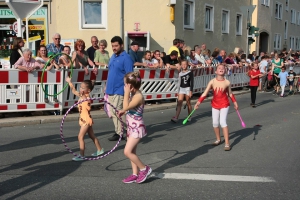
(122, 19)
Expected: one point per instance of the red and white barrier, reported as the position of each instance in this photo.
(21, 91)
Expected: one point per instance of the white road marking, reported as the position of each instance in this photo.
(212, 177)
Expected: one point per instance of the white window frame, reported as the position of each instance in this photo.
(240, 31)
(277, 41)
(103, 25)
(293, 16)
(212, 13)
(192, 14)
(292, 42)
(265, 2)
(298, 20)
(228, 21)
(286, 30)
(287, 4)
(279, 11)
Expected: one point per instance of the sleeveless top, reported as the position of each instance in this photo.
(83, 60)
(220, 98)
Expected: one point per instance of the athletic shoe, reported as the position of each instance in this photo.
(174, 119)
(78, 158)
(98, 153)
(115, 137)
(130, 179)
(143, 174)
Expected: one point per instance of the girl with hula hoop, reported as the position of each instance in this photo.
(220, 104)
(85, 119)
(133, 106)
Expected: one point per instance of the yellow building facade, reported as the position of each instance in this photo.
(153, 23)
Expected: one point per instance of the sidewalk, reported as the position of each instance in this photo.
(14, 119)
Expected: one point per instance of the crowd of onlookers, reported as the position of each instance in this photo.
(198, 56)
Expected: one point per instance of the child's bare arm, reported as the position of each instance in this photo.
(74, 91)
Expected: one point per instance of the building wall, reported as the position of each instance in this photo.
(153, 17)
(213, 38)
(264, 18)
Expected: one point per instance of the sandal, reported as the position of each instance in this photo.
(216, 143)
(227, 147)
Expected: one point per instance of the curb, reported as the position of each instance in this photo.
(35, 120)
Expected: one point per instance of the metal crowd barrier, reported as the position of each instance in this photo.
(21, 91)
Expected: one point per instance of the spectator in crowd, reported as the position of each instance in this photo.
(120, 64)
(55, 47)
(222, 56)
(42, 58)
(254, 54)
(192, 61)
(203, 48)
(65, 59)
(163, 56)
(180, 48)
(172, 61)
(147, 60)
(81, 59)
(101, 55)
(249, 58)
(291, 79)
(187, 52)
(260, 56)
(175, 47)
(214, 59)
(134, 47)
(92, 49)
(157, 59)
(27, 63)
(199, 56)
(277, 64)
(263, 66)
(195, 46)
(16, 52)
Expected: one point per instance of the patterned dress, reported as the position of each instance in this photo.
(85, 116)
(135, 123)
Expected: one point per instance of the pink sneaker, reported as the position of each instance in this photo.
(130, 179)
(143, 174)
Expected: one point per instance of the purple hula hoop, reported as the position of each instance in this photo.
(63, 139)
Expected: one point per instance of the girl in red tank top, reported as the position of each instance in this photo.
(220, 104)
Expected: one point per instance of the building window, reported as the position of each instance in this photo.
(292, 42)
(287, 5)
(225, 21)
(209, 18)
(278, 10)
(277, 41)
(285, 29)
(265, 2)
(239, 21)
(293, 16)
(296, 43)
(298, 18)
(189, 14)
(93, 13)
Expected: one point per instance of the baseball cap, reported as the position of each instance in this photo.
(134, 43)
(291, 68)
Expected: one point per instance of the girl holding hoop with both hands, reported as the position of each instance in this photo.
(220, 104)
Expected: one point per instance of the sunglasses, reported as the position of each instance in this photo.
(56, 38)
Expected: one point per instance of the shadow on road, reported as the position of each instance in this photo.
(237, 136)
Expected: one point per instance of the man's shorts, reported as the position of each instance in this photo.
(291, 82)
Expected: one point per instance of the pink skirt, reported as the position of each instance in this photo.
(135, 126)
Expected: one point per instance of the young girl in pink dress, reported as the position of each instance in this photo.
(133, 106)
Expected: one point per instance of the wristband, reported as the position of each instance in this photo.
(233, 98)
(201, 99)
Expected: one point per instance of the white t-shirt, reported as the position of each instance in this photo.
(263, 65)
(200, 58)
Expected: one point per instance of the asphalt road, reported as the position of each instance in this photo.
(263, 163)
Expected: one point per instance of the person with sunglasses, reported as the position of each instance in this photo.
(55, 47)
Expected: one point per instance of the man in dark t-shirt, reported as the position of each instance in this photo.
(92, 49)
(171, 61)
